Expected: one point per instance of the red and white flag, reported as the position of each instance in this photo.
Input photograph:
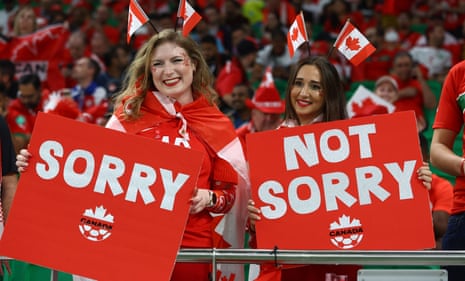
(353, 44)
(297, 34)
(190, 17)
(136, 18)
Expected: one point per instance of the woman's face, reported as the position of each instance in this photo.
(172, 72)
(307, 97)
(26, 22)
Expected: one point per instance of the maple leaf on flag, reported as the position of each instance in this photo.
(365, 103)
(136, 18)
(352, 43)
(297, 35)
(190, 16)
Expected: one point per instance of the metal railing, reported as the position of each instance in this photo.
(258, 256)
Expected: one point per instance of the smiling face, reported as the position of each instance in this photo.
(307, 97)
(386, 91)
(172, 71)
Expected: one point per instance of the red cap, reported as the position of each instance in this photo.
(267, 100)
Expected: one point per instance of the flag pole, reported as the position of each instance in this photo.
(337, 38)
(179, 19)
(306, 34)
(153, 26)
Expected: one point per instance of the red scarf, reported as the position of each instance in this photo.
(207, 122)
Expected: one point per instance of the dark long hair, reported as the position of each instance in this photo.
(334, 107)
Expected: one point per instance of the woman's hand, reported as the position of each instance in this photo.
(254, 214)
(200, 200)
(22, 160)
(424, 174)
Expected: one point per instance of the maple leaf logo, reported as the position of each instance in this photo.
(295, 33)
(352, 43)
(368, 107)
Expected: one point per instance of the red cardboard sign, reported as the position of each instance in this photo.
(100, 203)
(348, 184)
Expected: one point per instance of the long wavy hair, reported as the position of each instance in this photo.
(139, 80)
(334, 107)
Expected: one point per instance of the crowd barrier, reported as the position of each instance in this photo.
(259, 256)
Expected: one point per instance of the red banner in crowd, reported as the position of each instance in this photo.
(40, 53)
(100, 203)
(348, 184)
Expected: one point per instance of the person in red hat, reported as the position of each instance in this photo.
(267, 108)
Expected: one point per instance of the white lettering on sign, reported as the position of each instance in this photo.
(32, 67)
(334, 190)
(142, 177)
(307, 150)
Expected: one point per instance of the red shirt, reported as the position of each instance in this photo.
(450, 115)
(414, 103)
(21, 119)
(441, 194)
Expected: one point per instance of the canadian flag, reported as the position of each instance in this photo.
(297, 34)
(267, 80)
(136, 18)
(353, 44)
(189, 15)
(364, 103)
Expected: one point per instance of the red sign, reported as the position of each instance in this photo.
(348, 184)
(100, 203)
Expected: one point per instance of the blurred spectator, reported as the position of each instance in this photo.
(8, 79)
(101, 18)
(313, 9)
(378, 63)
(212, 17)
(79, 18)
(75, 48)
(214, 58)
(202, 29)
(6, 17)
(266, 109)
(407, 36)
(239, 113)
(436, 59)
(117, 60)
(441, 197)
(235, 25)
(285, 11)
(272, 24)
(334, 16)
(25, 21)
(90, 97)
(22, 112)
(236, 71)
(163, 20)
(56, 14)
(276, 55)
(414, 91)
(99, 46)
(387, 88)
(235, 34)
(432, 21)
